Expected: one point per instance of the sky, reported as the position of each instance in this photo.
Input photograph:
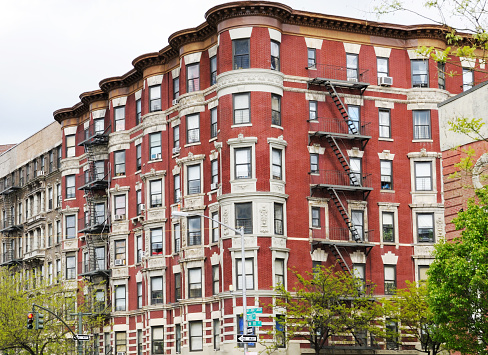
(51, 51)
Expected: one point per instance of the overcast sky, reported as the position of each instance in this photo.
(51, 51)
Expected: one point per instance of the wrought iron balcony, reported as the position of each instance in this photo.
(321, 126)
(354, 78)
(94, 134)
(336, 235)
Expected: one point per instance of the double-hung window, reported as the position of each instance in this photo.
(241, 53)
(278, 218)
(70, 186)
(155, 189)
(70, 228)
(279, 271)
(193, 77)
(215, 227)
(195, 282)
(276, 156)
(213, 123)
(215, 279)
(312, 110)
(386, 175)
(155, 145)
(138, 157)
(216, 334)
(193, 172)
(120, 249)
(357, 217)
(355, 176)
(275, 55)
(316, 217)
(423, 175)
(468, 80)
(425, 227)
(194, 231)
(354, 119)
(157, 290)
(193, 128)
(70, 146)
(120, 211)
(314, 163)
(139, 249)
(177, 188)
(177, 286)
(275, 110)
(119, 118)
(70, 267)
(242, 110)
(243, 169)
(441, 75)
(155, 98)
(213, 70)
(138, 111)
(156, 241)
(196, 335)
(420, 73)
(119, 158)
(388, 227)
(384, 123)
(312, 60)
(177, 237)
(120, 298)
(157, 339)
(249, 276)
(176, 88)
(382, 66)
(215, 174)
(421, 124)
(352, 66)
(176, 138)
(243, 214)
(390, 279)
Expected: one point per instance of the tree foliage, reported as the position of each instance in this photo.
(17, 295)
(323, 304)
(458, 281)
(409, 308)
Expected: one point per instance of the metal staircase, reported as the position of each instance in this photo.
(345, 216)
(342, 159)
(340, 106)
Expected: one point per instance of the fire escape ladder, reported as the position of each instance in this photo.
(340, 259)
(340, 106)
(340, 207)
(342, 159)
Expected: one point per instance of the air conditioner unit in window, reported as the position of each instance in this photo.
(385, 81)
(119, 262)
(156, 156)
(174, 102)
(213, 186)
(143, 207)
(119, 217)
(353, 79)
(120, 352)
(176, 150)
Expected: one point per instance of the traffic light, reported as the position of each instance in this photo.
(39, 321)
(30, 320)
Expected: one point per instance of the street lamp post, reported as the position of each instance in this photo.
(243, 264)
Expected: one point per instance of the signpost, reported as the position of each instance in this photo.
(248, 338)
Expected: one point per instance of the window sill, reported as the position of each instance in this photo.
(388, 191)
(386, 139)
(214, 138)
(118, 177)
(154, 160)
(70, 199)
(192, 144)
(237, 125)
(275, 126)
(422, 141)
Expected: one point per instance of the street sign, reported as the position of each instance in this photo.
(251, 316)
(254, 323)
(255, 310)
(250, 330)
(83, 337)
(249, 338)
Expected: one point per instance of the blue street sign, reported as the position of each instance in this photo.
(255, 323)
(251, 316)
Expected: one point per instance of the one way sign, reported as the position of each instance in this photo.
(247, 338)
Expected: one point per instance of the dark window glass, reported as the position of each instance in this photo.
(244, 216)
(240, 48)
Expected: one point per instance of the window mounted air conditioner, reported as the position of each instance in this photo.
(213, 186)
(385, 81)
(174, 102)
(120, 352)
(176, 150)
(119, 262)
(156, 156)
(355, 80)
(143, 207)
(119, 217)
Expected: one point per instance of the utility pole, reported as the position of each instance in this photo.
(80, 329)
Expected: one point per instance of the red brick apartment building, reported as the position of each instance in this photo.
(317, 134)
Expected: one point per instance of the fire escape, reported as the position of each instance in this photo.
(344, 180)
(9, 229)
(95, 224)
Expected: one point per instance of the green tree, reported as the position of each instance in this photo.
(323, 304)
(17, 295)
(458, 281)
(409, 308)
